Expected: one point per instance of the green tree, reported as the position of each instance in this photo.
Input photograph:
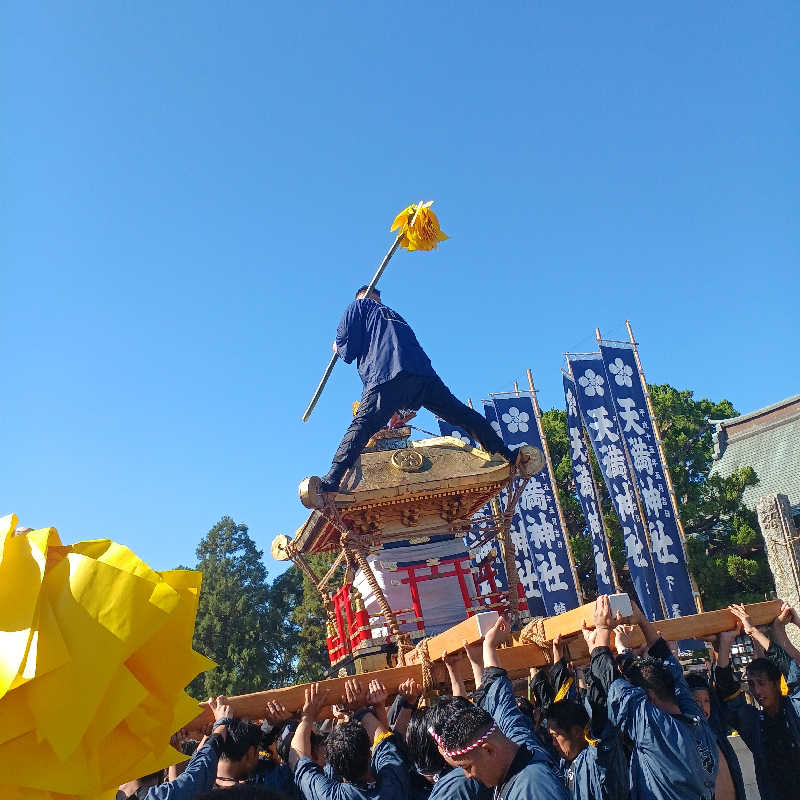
(232, 625)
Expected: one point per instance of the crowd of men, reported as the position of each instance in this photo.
(629, 725)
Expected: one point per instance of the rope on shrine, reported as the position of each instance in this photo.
(533, 633)
(424, 658)
(386, 610)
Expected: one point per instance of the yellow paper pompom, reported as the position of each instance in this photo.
(95, 651)
(420, 233)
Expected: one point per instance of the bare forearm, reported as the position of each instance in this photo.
(758, 636)
(401, 723)
(477, 668)
(374, 726)
(301, 742)
(602, 637)
(456, 683)
(648, 630)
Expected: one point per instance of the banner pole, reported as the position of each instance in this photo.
(551, 472)
(639, 505)
(660, 446)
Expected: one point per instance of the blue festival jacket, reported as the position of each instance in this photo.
(674, 757)
(381, 342)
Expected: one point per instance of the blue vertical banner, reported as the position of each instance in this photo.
(537, 512)
(523, 560)
(638, 433)
(587, 496)
(479, 530)
(597, 409)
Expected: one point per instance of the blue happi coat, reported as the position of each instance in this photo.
(199, 776)
(381, 342)
(532, 775)
(674, 756)
(600, 771)
(390, 771)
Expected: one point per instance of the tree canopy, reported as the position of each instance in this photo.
(243, 623)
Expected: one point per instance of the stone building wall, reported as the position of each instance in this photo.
(783, 551)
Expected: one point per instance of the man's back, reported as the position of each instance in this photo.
(381, 342)
(674, 756)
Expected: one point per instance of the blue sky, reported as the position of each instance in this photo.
(193, 191)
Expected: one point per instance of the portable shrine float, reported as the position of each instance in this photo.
(398, 525)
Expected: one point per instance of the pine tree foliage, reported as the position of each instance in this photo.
(243, 623)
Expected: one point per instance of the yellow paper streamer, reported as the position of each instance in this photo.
(424, 233)
(95, 651)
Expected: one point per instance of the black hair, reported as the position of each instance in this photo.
(188, 746)
(458, 723)
(763, 666)
(421, 748)
(349, 751)
(525, 706)
(244, 791)
(242, 735)
(364, 289)
(652, 674)
(566, 714)
(697, 681)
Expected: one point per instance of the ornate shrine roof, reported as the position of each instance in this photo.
(424, 489)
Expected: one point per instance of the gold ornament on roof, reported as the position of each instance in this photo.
(407, 460)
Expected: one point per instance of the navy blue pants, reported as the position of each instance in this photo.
(409, 391)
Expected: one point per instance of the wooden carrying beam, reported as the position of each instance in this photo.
(517, 660)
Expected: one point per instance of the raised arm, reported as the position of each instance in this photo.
(475, 656)
(751, 630)
(787, 614)
(201, 771)
(457, 687)
(301, 741)
(372, 717)
(407, 698)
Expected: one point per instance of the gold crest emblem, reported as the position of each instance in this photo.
(407, 460)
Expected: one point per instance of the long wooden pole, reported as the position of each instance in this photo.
(516, 659)
(551, 472)
(375, 278)
(667, 476)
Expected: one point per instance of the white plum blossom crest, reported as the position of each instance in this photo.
(621, 372)
(462, 436)
(496, 427)
(516, 420)
(592, 383)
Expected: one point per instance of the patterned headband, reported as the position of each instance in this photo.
(462, 750)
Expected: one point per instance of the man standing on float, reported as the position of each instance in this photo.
(397, 374)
